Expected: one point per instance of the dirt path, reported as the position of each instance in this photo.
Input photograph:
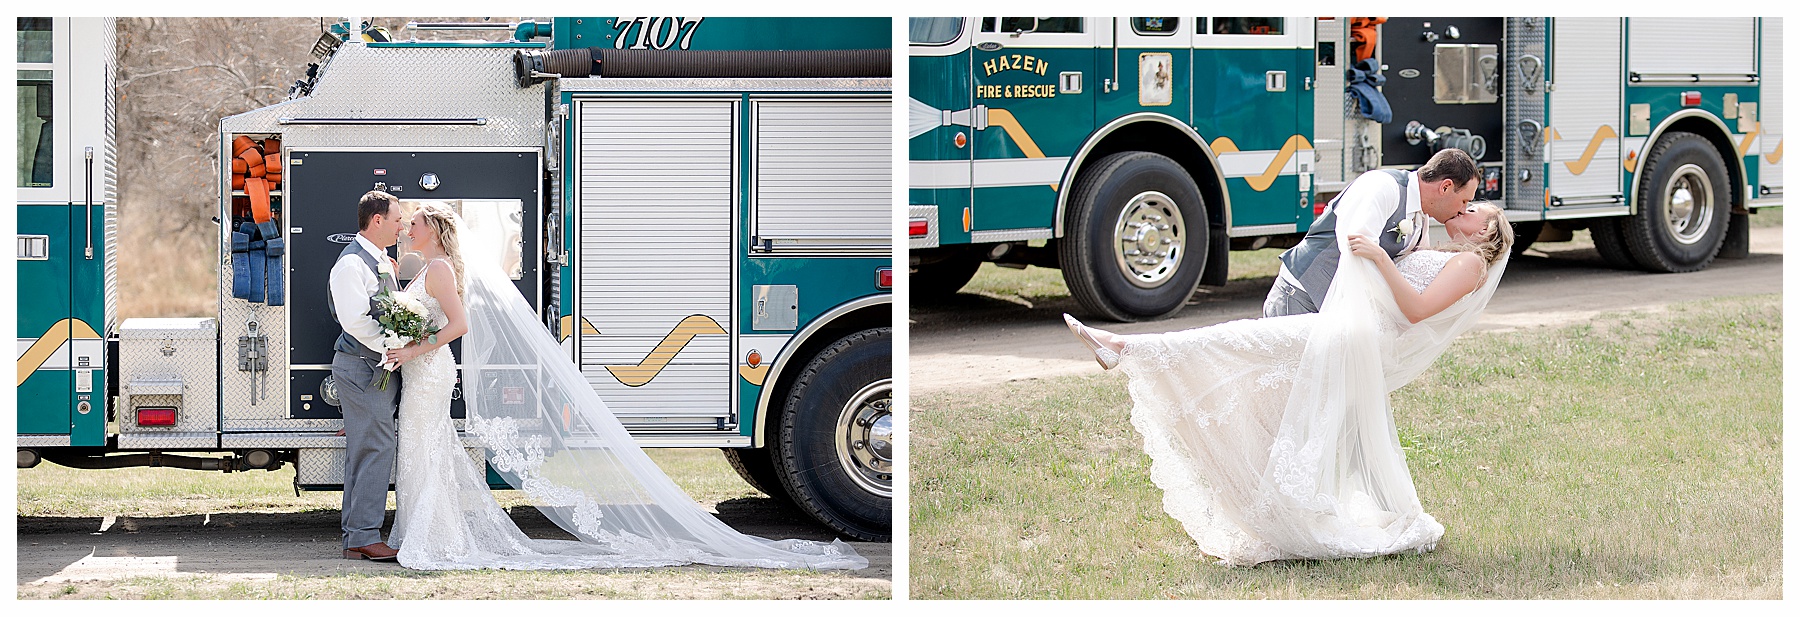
(974, 341)
(264, 553)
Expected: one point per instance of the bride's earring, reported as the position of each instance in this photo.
(1106, 357)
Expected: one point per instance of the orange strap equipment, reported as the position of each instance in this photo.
(1363, 35)
(256, 169)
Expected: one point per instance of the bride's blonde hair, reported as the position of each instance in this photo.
(1496, 238)
(446, 224)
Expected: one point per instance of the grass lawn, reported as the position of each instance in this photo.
(1636, 456)
(55, 492)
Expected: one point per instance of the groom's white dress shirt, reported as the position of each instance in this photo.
(352, 284)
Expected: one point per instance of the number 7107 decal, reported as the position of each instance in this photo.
(656, 32)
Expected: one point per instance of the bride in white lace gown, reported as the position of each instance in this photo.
(1272, 439)
(581, 469)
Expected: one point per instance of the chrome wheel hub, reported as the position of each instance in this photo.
(1688, 204)
(1149, 239)
(865, 438)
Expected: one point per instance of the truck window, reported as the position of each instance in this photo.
(933, 30)
(1034, 24)
(1247, 25)
(35, 39)
(37, 98)
(1155, 26)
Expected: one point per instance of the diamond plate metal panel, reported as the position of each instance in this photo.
(1329, 118)
(183, 350)
(1525, 37)
(364, 82)
(237, 441)
(926, 213)
(43, 441)
(168, 441)
(252, 401)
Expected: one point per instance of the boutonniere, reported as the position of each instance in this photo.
(385, 266)
(1403, 230)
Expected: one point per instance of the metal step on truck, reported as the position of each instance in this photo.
(1135, 153)
(698, 207)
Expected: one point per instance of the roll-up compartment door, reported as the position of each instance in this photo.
(824, 174)
(1585, 111)
(656, 200)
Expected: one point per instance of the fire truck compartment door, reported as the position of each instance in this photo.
(657, 196)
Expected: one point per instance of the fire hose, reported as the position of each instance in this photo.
(530, 66)
(257, 245)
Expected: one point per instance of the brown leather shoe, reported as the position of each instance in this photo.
(378, 551)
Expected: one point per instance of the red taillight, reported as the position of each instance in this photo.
(1690, 98)
(156, 416)
(1318, 208)
(884, 278)
(918, 228)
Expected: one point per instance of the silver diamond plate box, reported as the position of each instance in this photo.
(170, 363)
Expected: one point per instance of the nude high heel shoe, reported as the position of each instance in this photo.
(1106, 357)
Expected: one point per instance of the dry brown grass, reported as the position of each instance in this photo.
(164, 272)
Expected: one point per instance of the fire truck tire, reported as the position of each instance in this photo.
(940, 280)
(757, 468)
(835, 446)
(1609, 240)
(1136, 240)
(1684, 206)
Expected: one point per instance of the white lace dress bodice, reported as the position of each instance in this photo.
(1209, 403)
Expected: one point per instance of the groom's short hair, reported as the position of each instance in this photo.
(373, 203)
(1449, 163)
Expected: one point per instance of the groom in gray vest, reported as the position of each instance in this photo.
(362, 271)
(1387, 204)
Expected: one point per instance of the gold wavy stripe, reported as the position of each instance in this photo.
(658, 358)
(1005, 120)
(754, 375)
(567, 326)
(47, 345)
(1224, 145)
(1775, 157)
(1750, 137)
(1602, 134)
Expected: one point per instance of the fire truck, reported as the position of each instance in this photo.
(699, 208)
(1134, 153)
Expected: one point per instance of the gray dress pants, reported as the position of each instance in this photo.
(369, 445)
(1286, 299)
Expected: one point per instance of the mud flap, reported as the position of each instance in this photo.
(1218, 257)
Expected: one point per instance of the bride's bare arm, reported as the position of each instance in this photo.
(441, 284)
(1459, 277)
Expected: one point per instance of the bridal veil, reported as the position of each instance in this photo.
(549, 435)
